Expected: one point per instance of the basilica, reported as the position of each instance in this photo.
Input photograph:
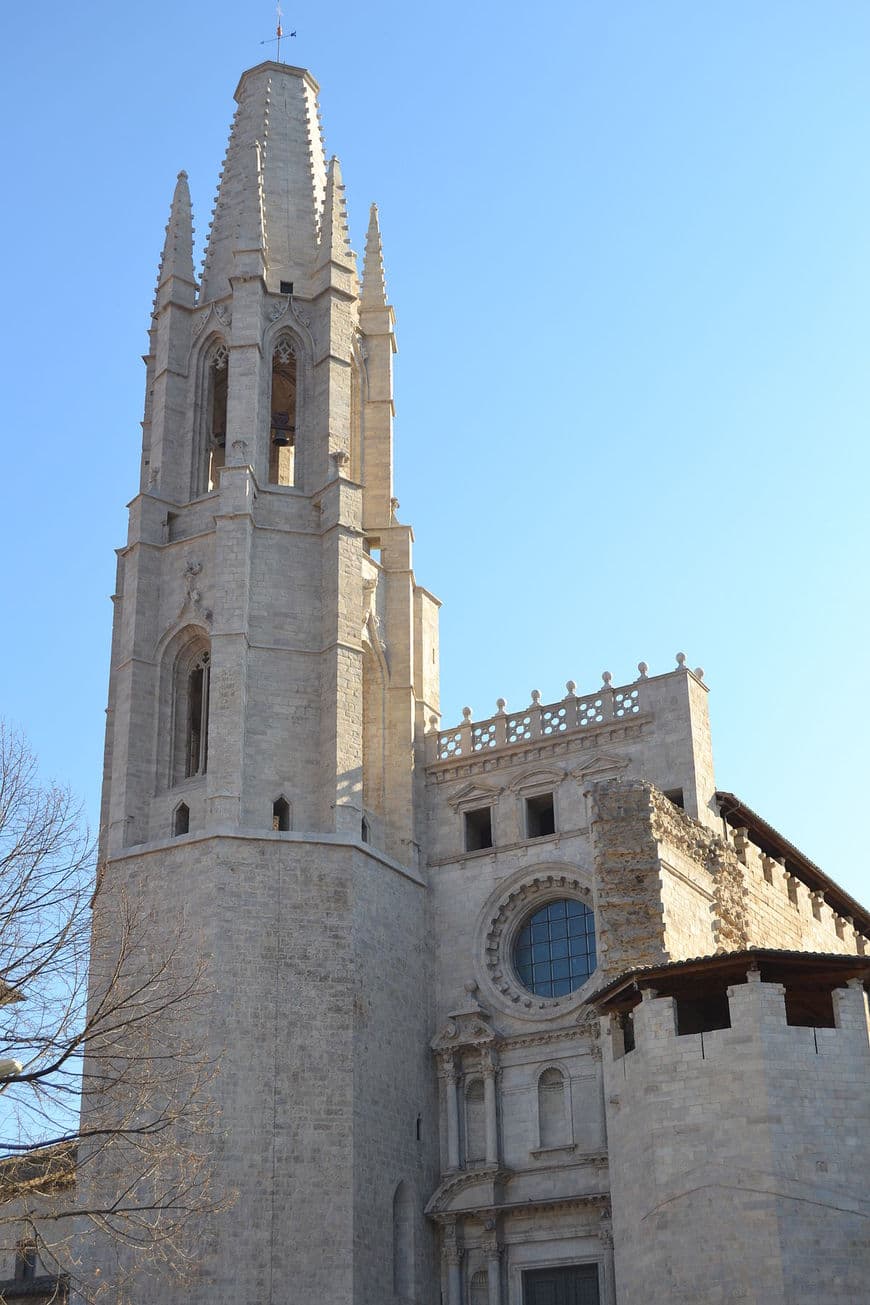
(520, 1010)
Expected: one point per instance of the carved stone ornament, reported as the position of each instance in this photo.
(193, 595)
(464, 1029)
(299, 313)
(500, 922)
(224, 314)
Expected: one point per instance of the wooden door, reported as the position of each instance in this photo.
(573, 1284)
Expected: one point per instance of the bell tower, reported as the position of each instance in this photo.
(273, 664)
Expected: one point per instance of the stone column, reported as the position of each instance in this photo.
(493, 1275)
(453, 1259)
(605, 1237)
(490, 1070)
(451, 1080)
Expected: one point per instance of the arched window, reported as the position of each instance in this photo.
(553, 1126)
(181, 819)
(475, 1122)
(282, 428)
(281, 815)
(403, 1242)
(479, 1289)
(192, 681)
(217, 389)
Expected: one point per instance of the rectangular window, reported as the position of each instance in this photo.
(540, 816)
(478, 829)
(675, 795)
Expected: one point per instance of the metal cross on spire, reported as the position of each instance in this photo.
(279, 33)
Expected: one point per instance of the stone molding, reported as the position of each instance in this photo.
(499, 922)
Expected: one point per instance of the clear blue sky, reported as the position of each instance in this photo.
(629, 249)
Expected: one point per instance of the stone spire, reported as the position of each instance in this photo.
(176, 281)
(374, 288)
(277, 122)
(334, 235)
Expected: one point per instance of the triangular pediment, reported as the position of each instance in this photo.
(600, 763)
(472, 794)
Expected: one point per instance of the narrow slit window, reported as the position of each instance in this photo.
(282, 430)
(25, 1262)
(181, 820)
(478, 829)
(540, 815)
(280, 815)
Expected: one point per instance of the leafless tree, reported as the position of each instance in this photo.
(106, 1118)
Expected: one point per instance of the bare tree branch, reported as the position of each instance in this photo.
(108, 1125)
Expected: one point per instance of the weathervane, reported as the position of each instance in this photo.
(279, 32)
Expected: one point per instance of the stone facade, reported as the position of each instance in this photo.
(407, 1116)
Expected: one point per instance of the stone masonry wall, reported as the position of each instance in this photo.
(669, 888)
(737, 1156)
(629, 914)
(319, 1027)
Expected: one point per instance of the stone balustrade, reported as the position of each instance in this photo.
(545, 720)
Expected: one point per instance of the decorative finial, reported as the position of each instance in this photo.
(466, 715)
(606, 677)
(681, 660)
(570, 686)
(279, 34)
(433, 722)
(500, 704)
(536, 697)
(699, 672)
(643, 668)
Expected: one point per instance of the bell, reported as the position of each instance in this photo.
(281, 429)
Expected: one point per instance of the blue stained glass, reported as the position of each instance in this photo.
(555, 948)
